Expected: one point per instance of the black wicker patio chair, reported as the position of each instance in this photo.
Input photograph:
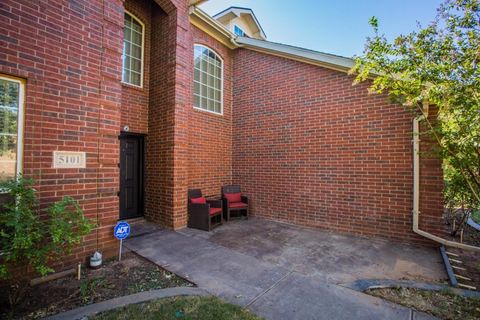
(234, 202)
(203, 214)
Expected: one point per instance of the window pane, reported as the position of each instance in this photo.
(196, 101)
(203, 91)
(136, 51)
(204, 65)
(127, 34)
(127, 63)
(211, 81)
(137, 27)
(9, 102)
(136, 38)
(197, 63)
(196, 89)
(126, 76)
(135, 78)
(197, 75)
(8, 120)
(136, 65)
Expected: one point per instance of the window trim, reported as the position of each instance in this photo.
(20, 120)
(221, 82)
(142, 55)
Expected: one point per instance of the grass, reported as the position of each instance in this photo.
(204, 308)
(442, 304)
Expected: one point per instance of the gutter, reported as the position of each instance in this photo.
(416, 189)
(326, 60)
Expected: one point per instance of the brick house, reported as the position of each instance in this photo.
(125, 104)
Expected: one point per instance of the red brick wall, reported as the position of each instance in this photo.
(169, 106)
(134, 110)
(210, 135)
(69, 52)
(311, 149)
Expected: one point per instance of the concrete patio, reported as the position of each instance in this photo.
(281, 271)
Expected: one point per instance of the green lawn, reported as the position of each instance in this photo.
(204, 308)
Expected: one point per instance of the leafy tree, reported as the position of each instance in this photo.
(438, 64)
(30, 240)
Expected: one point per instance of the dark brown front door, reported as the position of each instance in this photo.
(131, 176)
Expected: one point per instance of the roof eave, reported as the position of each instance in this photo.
(303, 55)
(206, 23)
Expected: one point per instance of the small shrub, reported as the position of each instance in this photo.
(32, 238)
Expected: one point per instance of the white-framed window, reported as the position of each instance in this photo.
(238, 31)
(12, 105)
(133, 45)
(208, 80)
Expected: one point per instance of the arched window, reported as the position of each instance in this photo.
(208, 80)
(132, 71)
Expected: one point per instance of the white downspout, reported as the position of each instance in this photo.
(416, 189)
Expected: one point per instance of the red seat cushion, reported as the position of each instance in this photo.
(233, 197)
(237, 205)
(214, 211)
(200, 200)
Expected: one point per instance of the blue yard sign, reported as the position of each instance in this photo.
(121, 231)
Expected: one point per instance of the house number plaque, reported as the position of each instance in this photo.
(69, 159)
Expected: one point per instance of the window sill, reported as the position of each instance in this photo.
(207, 111)
(132, 86)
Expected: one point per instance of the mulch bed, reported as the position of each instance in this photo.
(471, 262)
(133, 274)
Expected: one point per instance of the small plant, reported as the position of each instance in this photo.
(88, 289)
(32, 238)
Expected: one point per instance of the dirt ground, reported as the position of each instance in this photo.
(470, 261)
(444, 305)
(133, 274)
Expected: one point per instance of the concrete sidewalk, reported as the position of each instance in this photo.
(267, 289)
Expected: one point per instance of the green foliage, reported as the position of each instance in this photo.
(438, 64)
(31, 238)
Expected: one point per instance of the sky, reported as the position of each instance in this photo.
(333, 26)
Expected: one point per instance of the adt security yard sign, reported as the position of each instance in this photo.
(121, 231)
